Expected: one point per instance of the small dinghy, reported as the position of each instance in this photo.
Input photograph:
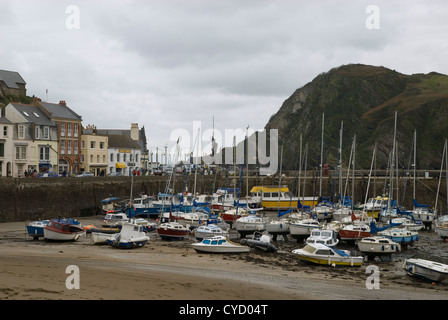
(259, 241)
(427, 267)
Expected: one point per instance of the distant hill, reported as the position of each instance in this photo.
(365, 98)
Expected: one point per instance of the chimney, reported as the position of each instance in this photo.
(62, 103)
(134, 131)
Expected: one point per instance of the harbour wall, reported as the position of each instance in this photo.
(28, 199)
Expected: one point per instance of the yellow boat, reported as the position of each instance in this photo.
(373, 206)
(321, 254)
(275, 197)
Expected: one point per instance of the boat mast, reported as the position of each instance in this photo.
(391, 190)
(280, 180)
(415, 161)
(321, 155)
(440, 174)
(340, 163)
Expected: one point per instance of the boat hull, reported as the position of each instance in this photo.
(426, 270)
(128, 244)
(172, 233)
(221, 249)
(62, 236)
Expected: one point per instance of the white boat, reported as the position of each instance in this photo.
(196, 218)
(323, 236)
(209, 230)
(219, 244)
(400, 235)
(340, 214)
(249, 224)
(423, 213)
(99, 237)
(130, 236)
(409, 224)
(278, 227)
(323, 211)
(63, 230)
(115, 219)
(301, 229)
(377, 246)
(442, 230)
(427, 267)
(321, 254)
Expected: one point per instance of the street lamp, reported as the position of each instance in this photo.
(57, 157)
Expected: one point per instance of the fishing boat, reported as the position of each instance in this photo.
(209, 230)
(321, 254)
(301, 229)
(172, 231)
(219, 244)
(377, 246)
(427, 267)
(63, 230)
(131, 236)
(35, 229)
(323, 236)
(99, 237)
(249, 224)
(111, 204)
(279, 198)
(144, 207)
(259, 241)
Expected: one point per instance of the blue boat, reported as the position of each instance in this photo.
(35, 229)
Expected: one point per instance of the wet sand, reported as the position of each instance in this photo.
(172, 270)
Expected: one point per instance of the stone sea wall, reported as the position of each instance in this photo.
(27, 199)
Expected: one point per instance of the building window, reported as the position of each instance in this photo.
(62, 129)
(44, 153)
(101, 145)
(21, 132)
(2, 150)
(76, 130)
(92, 144)
(69, 146)
(111, 157)
(118, 157)
(46, 133)
(69, 129)
(5, 131)
(83, 144)
(21, 153)
(62, 146)
(124, 157)
(76, 147)
(82, 158)
(37, 132)
(104, 158)
(97, 158)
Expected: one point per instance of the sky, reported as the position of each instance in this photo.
(196, 67)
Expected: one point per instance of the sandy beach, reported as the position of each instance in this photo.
(172, 270)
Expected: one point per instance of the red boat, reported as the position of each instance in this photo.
(354, 232)
(172, 231)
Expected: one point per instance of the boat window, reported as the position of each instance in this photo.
(325, 252)
(326, 234)
(50, 223)
(206, 241)
(58, 226)
(288, 194)
(221, 241)
(383, 241)
(315, 233)
(214, 242)
(311, 241)
(65, 228)
(135, 228)
(274, 194)
(320, 241)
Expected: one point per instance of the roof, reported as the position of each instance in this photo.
(120, 141)
(33, 114)
(5, 121)
(11, 79)
(60, 111)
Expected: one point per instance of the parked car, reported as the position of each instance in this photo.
(115, 174)
(157, 172)
(84, 174)
(47, 174)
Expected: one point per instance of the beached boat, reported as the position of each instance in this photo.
(209, 230)
(427, 267)
(219, 244)
(321, 254)
(323, 211)
(278, 227)
(35, 229)
(259, 241)
(413, 225)
(63, 230)
(377, 246)
(442, 230)
(114, 219)
(172, 231)
(99, 237)
(373, 206)
(130, 236)
(230, 216)
(323, 236)
(301, 229)
(111, 204)
(354, 231)
(396, 233)
(249, 224)
(279, 198)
